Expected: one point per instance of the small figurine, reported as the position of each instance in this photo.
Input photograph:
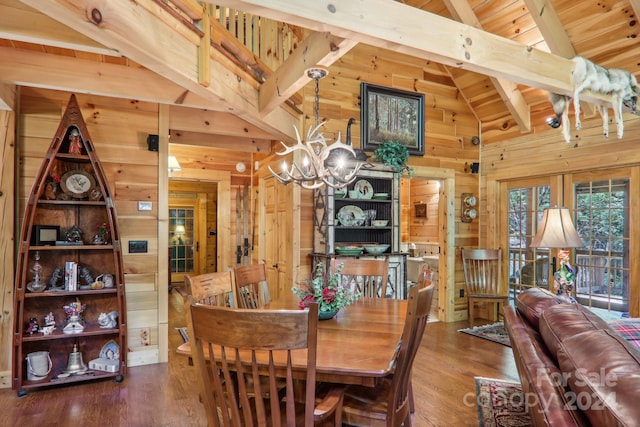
(49, 324)
(74, 323)
(109, 320)
(33, 326)
(75, 143)
(74, 234)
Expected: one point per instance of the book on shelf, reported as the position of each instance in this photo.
(71, 276)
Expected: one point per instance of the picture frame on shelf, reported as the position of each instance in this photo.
(391, 115)
(45, 235)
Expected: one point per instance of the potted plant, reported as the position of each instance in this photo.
(394, 155)
(327, 291)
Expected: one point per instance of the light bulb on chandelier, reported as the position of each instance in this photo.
(320, 164)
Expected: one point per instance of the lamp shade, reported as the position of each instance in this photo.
(173, 164)
(556, 230)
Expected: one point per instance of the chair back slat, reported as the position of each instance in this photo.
(246, 346)
(211, 288)
(482, 271)
(367, 276)
(425, 277)
(418, 307)
(250, 281)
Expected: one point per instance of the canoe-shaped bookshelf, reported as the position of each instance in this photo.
(70, 311)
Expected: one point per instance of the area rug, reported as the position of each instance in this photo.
(183, 333)
(500, 403)
(494, 332)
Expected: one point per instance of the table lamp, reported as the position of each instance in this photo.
(556, 231)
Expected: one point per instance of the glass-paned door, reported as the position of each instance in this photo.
(527, 267)
(181, 241)
(602, 220)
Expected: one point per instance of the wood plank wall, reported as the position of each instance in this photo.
(7, 241)
(547, 154)
(449, 127)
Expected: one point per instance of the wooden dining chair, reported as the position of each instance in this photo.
(250, 282)
(250, 344)
(425, 277)
(368, 276)
(211, 289)
(388, 403)
(483, 278)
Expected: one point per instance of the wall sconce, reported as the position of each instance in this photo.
(173, 165)
(468, 211)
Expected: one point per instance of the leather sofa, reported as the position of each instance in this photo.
(574, 368)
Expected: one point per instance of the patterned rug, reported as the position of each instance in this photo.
(500, 403)
(494, 332)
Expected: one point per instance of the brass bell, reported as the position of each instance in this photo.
(75, 365)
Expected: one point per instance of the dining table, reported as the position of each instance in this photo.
(358, 345)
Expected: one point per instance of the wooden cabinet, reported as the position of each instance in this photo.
(70, 311)
(342, 222)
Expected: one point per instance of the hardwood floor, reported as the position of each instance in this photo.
(166, 394)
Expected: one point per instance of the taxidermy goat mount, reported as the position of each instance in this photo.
(587, 75)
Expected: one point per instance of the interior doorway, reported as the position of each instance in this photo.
(192, 230)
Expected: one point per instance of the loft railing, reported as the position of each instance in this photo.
(258, 43)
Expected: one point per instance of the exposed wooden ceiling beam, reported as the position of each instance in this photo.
(554, 34)
(317, 49)
(508, 91)
(7, 97)
(124, 25)
(43, 30)
(32, 68)
(249, 145)
(214, 122)
(392, 25)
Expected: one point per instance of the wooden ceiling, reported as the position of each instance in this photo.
(502, 55)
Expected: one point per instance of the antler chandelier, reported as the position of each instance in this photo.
(317, 167)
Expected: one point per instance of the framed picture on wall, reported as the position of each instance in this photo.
(421, 210)
(391, 115)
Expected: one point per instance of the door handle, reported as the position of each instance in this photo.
(197, 246)
(275, 266)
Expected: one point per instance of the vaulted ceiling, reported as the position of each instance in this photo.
(502, 55)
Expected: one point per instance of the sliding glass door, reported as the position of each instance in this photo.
(601, 212)
(599, 202)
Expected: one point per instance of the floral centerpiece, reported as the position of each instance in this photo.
(326, 290)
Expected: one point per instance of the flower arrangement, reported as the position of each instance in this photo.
(103, 229)
(326, 290)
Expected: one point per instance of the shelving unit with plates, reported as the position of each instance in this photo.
(344, 227)
(69, 307)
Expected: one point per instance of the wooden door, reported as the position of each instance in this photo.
(277, 227)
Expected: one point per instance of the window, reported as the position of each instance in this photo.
(528, 267)
(602, 212)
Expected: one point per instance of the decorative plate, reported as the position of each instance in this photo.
(364, 189)
(351, 216)
(77, 183)
(110, 351)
